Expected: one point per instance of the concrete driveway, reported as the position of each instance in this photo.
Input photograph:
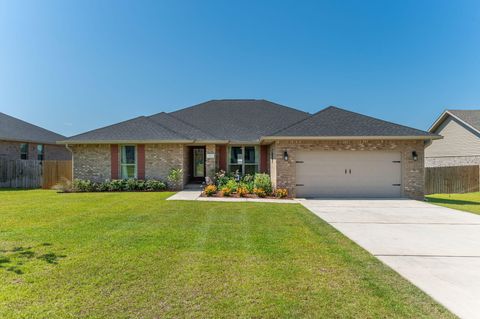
(436, 248)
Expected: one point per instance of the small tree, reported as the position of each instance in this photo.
(175, 178)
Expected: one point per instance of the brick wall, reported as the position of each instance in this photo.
(91, 162)
(283, 172)
(452, 161)
(11, 150)
(161, 158)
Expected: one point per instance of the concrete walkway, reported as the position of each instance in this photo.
(436, 248)
(187, 194)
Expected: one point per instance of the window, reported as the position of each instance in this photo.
(24, 151)
(243, 159)
(128, 161)
(40, 150)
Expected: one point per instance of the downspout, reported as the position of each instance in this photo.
(70, 150)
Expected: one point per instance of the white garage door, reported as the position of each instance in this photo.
(348, 174)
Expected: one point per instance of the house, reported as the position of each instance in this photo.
(331, 153)
(22, 140)
(461, 139)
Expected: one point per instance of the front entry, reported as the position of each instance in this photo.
(197, 167)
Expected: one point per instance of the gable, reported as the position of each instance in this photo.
(458, 140)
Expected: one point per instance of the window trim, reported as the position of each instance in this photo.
(42, 154)
(120, 166)
(244, 164)
(24, 153)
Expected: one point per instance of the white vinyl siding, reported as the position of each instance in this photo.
(458, 140)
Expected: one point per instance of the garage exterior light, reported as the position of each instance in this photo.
(414, 155)
(285, 155)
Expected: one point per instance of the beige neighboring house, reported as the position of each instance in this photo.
(332, 153)
(460, 145)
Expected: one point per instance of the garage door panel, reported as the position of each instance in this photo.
(348, 174)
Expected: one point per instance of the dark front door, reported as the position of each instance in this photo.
(198, 164)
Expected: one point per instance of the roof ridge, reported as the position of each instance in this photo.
(31, 124)
(189, 124)
(164, 127)
(298, 122)
(285, 106)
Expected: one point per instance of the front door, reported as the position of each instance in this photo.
(198, 164)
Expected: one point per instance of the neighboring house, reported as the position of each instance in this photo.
(331, 153)
(22, 140)
(461, 139)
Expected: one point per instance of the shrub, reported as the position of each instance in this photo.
(232, 184)
(174, 178)
(281, 192)
(221, 178)
(248, 178)
(262, 181)
(104, 187)
(80, 185)
(210, 190)
(242, 191)
(116, 185)
(154, 185)
(226, 191)
(259, 192)
(131, 185)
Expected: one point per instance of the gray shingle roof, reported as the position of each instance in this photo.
(239, 120)
(137, 129)
(174, 124)
(333, 121)
(244, 120)
(471, 117)
(13, 129)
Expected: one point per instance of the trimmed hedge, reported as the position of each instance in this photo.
(118, 185)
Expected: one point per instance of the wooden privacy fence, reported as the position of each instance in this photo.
(54, 172)
(455, 179)
(33, 173)
(20, 174)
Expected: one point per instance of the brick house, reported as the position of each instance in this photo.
(332, 153)
(22, 140)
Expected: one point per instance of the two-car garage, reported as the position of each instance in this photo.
(348, 174)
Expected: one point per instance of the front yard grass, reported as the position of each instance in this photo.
(469, 202)
(135, 255)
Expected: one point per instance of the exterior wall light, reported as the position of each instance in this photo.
(285, 155)
(414, 155)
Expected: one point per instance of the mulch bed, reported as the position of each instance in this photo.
(246, 196)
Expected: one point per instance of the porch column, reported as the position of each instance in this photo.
(210, 160)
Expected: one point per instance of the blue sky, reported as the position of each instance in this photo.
(74, 66)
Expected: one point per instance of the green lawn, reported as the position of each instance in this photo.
(469, 202)
(135, 255)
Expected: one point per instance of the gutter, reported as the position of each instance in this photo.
(330, 138)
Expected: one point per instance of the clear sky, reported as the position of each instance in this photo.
(72, 66)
